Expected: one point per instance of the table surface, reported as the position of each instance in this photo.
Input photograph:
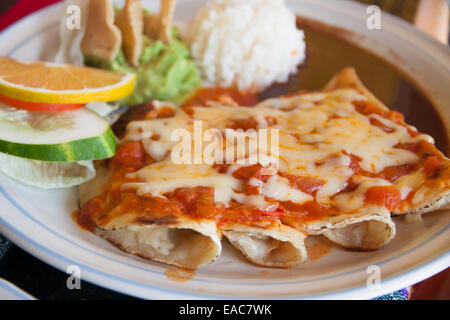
(45, 282)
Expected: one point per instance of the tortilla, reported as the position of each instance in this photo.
(370, 229)
(182, 243)
(435, 194)
(170, 239)
(276, 247)
(348, 79)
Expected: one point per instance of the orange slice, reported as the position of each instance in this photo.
(48, 82)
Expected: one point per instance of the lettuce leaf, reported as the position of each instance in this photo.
(44, 174)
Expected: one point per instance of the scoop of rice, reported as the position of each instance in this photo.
(246, 44)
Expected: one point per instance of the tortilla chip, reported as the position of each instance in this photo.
(166, 14)
(102, 38)
(159, 26)
(151, 25)
(130, 21)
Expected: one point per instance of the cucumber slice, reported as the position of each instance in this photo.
(65, 136)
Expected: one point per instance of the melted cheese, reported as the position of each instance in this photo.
(160, 128)
(163, 177)
(351, 201)
(409, 182)
(278, 188)
(257, 201)
(337, 171)
(317, 132)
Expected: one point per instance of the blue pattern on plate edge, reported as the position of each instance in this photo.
(402, 294)
(4, 245)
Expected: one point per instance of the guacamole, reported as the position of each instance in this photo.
(165, 72)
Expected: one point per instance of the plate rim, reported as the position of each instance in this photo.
(15, 292)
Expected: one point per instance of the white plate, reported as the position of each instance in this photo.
(9, 291)
(40, 221)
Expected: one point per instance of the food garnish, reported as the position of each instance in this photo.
(48, 82)
(45, 129)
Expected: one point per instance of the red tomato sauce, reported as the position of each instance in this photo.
(387, 196)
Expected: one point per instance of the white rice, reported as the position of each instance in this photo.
(246, 44)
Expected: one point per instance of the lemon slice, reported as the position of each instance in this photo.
(48, 82)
